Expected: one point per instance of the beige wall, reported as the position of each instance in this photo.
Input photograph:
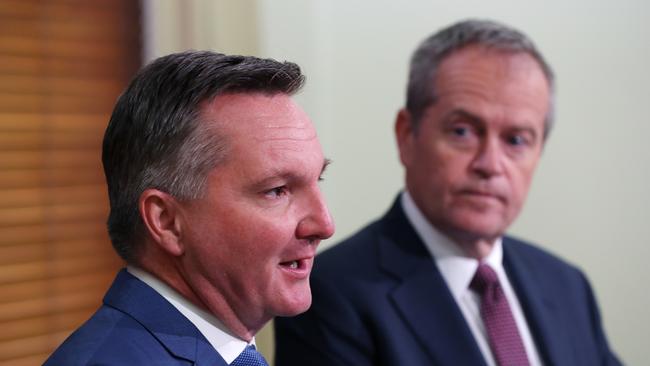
(589, 197)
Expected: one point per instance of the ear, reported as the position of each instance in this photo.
(161, 216)
(405, 136)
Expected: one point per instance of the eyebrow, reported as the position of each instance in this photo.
(474, 119)
(286, 175)
(480, 122)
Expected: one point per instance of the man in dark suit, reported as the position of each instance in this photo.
(212, 175)
(436, 281)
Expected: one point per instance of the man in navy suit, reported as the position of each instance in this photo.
(212, 175)
(436, 281)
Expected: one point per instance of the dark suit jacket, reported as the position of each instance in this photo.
(379, 299)
(135, 326)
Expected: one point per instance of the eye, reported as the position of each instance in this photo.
(277, 192)
(460, 131)
(517, 140)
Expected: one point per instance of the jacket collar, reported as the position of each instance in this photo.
(543, 314)
(422, 296)
(168, 325)
(427, 305)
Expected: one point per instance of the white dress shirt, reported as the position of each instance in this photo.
(226, 344)
(458, 271)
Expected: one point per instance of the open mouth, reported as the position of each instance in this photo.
(298, 268)
(291, 264)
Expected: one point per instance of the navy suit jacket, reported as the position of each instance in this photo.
(379, 299)
(135, 326)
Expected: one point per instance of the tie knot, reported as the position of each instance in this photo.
(484, 278)
(249, 357)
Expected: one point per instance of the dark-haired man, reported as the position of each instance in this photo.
(212, 174)
(436, 281)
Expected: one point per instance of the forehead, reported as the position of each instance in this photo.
(266, 135)
(257, 117)
(476, 77)
(494, 61)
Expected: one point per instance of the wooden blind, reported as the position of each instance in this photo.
(62, 65)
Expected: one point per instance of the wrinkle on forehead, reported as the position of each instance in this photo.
(289, 123)
(260, 117)
(297, 142)
(282, 133)
(474, 67)
(493, 81)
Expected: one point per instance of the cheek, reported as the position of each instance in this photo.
(450, 170)
(267, 238)
(218, 242)
(437, 174)
(521, 184)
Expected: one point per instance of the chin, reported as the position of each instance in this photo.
(479, 227)
(296, 304)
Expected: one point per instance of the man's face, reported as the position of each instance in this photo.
(470, 164)
(250, 242)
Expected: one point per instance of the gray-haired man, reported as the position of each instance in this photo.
(436, 281)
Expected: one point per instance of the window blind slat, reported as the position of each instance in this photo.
(12, 273)
(31, 252)
(94, 27)
(74, 49)
(78, 158)
(31, 360)
(46, 103)
(30, 327)
(70, 9)
(38, 65)
(53, 195)
(43, 288)
(80, 123)
(51, 214)
(53, 177)
(55, 304)
(61, 231)
(24, 347)
(36, 84)
(29, 140)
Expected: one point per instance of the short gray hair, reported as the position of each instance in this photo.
(156, 137)
(432, 51)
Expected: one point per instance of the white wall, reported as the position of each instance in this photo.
(588, 199)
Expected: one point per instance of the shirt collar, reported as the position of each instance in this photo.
(456, 268)
(227, 345)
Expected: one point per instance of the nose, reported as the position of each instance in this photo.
(317, 223)
(488, 161)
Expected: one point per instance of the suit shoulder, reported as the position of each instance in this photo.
(534, 257)
(106, 338)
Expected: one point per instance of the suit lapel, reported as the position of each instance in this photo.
(166, 323)
(422, 298)
(543, 316)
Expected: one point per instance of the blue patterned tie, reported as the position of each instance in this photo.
(249, 357)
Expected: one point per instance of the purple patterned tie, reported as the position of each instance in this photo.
(505, 342)
(249, 357)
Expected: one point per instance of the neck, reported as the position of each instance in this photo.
(171, 273)
(471, 245)
(477, 249)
